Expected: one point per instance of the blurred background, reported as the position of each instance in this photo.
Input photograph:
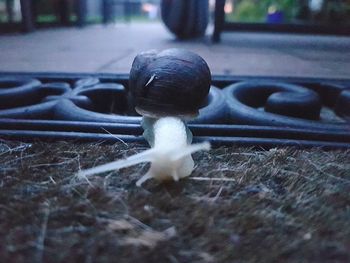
(105, 35)
(77, 12)
(289, 11)
(70, 12)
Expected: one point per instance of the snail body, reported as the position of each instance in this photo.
(167, 88)
(171, 144)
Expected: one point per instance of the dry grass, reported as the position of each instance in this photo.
(241, 205)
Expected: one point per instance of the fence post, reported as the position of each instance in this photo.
(9, 10)
(127, 10)
(219, 19)
(64, 12)
(106, 11)
(81, 12)
(27, 15)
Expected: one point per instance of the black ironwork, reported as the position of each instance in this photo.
(248, 111)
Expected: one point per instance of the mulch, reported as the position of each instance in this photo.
(239, 205)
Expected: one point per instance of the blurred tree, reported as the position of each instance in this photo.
(256, 10)
(320, 11)
(250, 11)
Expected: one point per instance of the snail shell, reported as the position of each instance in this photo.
(173, 82)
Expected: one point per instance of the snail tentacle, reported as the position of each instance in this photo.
(145, 156)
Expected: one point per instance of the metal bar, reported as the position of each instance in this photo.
(219, 19)
(27, 15)
(287, 28)
(81, 6)
(9, 10)
(265, 143)
(218, 80)
(106, 11)
(63, 6)
(127, 11)
(217, 130)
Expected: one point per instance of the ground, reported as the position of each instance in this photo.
(240, 205)
(111, 49)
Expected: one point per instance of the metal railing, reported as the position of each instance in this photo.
(221, 24)
(29, 14)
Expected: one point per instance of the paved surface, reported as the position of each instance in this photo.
(111, 49)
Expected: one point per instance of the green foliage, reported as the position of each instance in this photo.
(256, 10)
(249, 11)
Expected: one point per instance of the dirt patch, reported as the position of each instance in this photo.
(282, 205)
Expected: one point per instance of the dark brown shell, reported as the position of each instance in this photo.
(174, 82)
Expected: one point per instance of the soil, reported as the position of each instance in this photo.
(239, 205)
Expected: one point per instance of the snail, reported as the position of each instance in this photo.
(168, 89)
